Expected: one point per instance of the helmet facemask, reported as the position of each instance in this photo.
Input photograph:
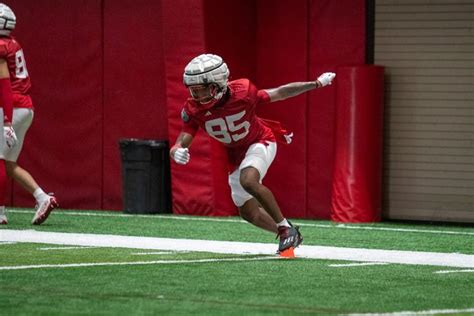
(205, 94)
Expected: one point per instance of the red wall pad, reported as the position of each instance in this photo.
(356, 194)
(200, 187)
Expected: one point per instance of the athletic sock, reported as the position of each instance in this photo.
(284, 222)
(2, 210)
(3, 182)
(40, 195)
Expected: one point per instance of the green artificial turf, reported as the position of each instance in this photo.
(266, 287)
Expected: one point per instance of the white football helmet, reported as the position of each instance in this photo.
(7, 20)
(205, 70)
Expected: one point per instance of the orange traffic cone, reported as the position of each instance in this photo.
(288, 253)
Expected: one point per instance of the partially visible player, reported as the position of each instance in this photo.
(14, 92)
(226, 111)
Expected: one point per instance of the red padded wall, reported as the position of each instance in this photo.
(309, 41)
(106, 69)
(337, 37)
(134, 84)
(231, 36)
(282, 57)
(63, 149)
(192, 185)
(97, 75)
(201, 187)
(357, 195)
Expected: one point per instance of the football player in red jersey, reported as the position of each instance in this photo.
(226, 111)
(14, 93)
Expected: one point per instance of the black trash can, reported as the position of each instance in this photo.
(146, 176)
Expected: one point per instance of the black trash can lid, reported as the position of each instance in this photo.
(143, 142)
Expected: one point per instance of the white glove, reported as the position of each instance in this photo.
(326, 78)
(10, 136)
(181, 156)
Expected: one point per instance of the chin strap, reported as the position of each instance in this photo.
(221, 93)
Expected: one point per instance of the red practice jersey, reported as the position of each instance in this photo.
(232, 120)
(11, 51)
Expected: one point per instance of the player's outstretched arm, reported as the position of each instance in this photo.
(180, 152)
(296, 88)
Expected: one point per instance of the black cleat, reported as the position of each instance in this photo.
(290, 237)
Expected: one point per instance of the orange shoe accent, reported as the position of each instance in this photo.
(288, 253)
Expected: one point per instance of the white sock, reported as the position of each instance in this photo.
(284, 222)
(2, 210)
(40, 195)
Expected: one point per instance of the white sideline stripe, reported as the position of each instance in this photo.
(356, 264)
(153, 253)
(454, 271)
(229, 220)
(410, 313)
(98, 264)
(65, 248)
(312, 252)
(7, 242)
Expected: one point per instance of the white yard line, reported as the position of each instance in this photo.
(98, 264)
(154, 253)
(231, 220)
(454, 271)
(65, 248)
(313, 252)
(414, 313)
(343, 265)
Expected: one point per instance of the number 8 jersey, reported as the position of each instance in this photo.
(11, 51)
(232, 120)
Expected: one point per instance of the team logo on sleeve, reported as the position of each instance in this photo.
(184, 116)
